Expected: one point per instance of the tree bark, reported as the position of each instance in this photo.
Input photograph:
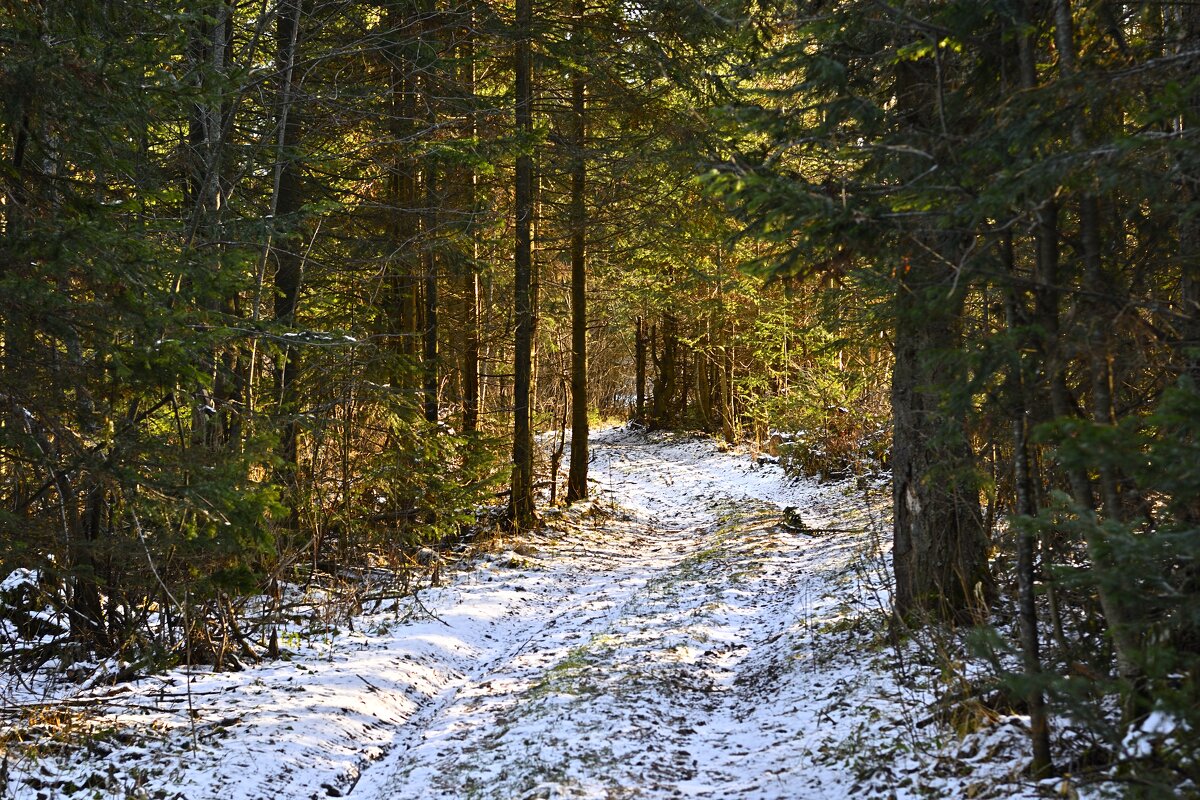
(288, 203)
(639, 359)
(577, 488)
(521, 507)
(1024, 510)
(666, 385)
(1039, 727)
(703, 372)
(1046, 333)
(209, 44)
(15, 333)
(939, 541)
(429, 218)
(470, 366)
(403, 219)
(940, 546)
(429, 259)
(725, 374)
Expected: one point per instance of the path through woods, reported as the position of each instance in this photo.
(673, 638)
(672, 657)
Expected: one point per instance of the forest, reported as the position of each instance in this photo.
(312, 292)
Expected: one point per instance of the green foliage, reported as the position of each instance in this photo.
(998, 201)
(143, 466)
(429, 483)
(1153, 549)
(821, 394)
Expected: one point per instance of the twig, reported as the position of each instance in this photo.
(416, 599)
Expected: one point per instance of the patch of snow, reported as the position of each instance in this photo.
(19, 579)
(1156, 731)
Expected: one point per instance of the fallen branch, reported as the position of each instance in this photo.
(416, 599)
(822, 531)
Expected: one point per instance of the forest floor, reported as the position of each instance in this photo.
(673, 637)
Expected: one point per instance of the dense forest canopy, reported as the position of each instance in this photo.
(299, 286)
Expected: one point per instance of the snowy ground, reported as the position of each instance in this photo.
(673, 638)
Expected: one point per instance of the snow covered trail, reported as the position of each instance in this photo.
(671, 638)
(671, 657)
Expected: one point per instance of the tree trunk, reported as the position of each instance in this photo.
(685, 383)
(403, 219)
(429, 218)
(521, 508)
(639, 358)
(208, 48)
(15, 334)
(1189, 262)
(1039, 727)
(725, 373)
(1025, 508)
(1189, 220)
(703, 386)
(1046, 334)
(1116, 611)
(666, 374)
(288, 203)
(940, 544)
(577, 488)
(429, 259)
(470, 366)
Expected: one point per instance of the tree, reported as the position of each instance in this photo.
(287, 202)
(521, 507)
(577, 487)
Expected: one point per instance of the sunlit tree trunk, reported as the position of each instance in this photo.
(639, 366)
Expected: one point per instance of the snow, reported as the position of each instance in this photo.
(19, 579)
(1155, 732)
(670, 638)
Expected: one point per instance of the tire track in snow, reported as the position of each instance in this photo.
(588, 595)
(646, 680)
